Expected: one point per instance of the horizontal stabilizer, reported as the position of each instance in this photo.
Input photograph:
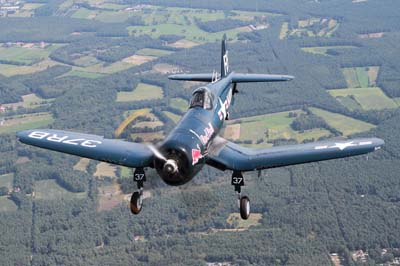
(240, 78)
(204, 77)
(235, 77)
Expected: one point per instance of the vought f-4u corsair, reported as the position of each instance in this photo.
(195, 142)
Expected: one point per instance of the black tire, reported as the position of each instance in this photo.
(136, 203)
(244, 207)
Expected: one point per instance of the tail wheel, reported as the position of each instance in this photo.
(136, 202)
(244, 207)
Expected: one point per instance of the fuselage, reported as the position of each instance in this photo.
(187, 144)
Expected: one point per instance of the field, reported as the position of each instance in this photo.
(361, 77)
(27, 54)
(29, 101)
(148, 136)
(344, 124)
(50, 190)
(22, 122)
(105, 169)
(10, 70)
(235, 220)
(109, 196)
(7, 180)
(142, 92)
(7, 205)
(179, 103)
(82, 164)
(312, 27)
(323, 49)
(368, 98)
(172, 116)
(153, 52)
(269, 127)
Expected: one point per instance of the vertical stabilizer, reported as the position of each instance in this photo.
(224, 58)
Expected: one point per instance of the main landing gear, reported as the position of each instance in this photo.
(243, 201)
(136, 204)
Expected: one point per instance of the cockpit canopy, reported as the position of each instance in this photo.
(202, 97)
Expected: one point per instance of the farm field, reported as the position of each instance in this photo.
(50, 190)
(153, 52)
(105, 169)
(172, 116)
(179, 103)
(10, 70)
(110, 196)
(269, 127)
(29, 101)
(142, 92)
(7, 181)
(26, 55)
(22, 122)
(371, 98)
(235, 220)
(312, 27)
(344, 124)
(130, 116)
(361, 77)
(82, 165)
(324, 49)
(148, 136)
(7, 205)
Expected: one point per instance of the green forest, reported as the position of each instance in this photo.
(101, 67)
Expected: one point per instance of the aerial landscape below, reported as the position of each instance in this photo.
(104, 68)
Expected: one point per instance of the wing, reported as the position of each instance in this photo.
(90, 146)
(227, 155)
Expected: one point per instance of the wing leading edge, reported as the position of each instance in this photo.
(227, 155)
(90, 146)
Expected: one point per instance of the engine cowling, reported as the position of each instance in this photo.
(182, 160)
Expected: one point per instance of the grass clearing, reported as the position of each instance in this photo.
(28, 54)
(83, 74)
(82, 165)
(311, 27)
(238, 223)
(371, 98)
(10, 70)
(361, 77)
(148, 136)
(172, 116)
(153, 52)
(397, 100)
(23, 122)
(344, 124)
(105, 169)
(184, 44)
(142, 92)
(7, 205)
(167, 68)
(137, 59)
(284, 30)
(322, 50)
(269, 127)
(7, 181)
(179, 103)
(29, 101)
(50, 190)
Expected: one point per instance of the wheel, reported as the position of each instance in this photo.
(136, 203)
(244, 207)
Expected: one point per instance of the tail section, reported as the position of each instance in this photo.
(224, 58)
(235, 77)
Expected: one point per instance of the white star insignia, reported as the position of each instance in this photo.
(343, 145)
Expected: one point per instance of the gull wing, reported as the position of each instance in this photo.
(90, 146)
(226, 155)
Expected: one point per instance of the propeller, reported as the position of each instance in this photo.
(170, 165)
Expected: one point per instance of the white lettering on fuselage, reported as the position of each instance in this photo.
(224, 106)
(64, 139)
(208, 132)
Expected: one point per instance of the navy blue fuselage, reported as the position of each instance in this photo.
(187, 144)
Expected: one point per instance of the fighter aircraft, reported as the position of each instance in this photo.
(195, 142)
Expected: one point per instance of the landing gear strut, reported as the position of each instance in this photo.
(243, 201)
(139, 177)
